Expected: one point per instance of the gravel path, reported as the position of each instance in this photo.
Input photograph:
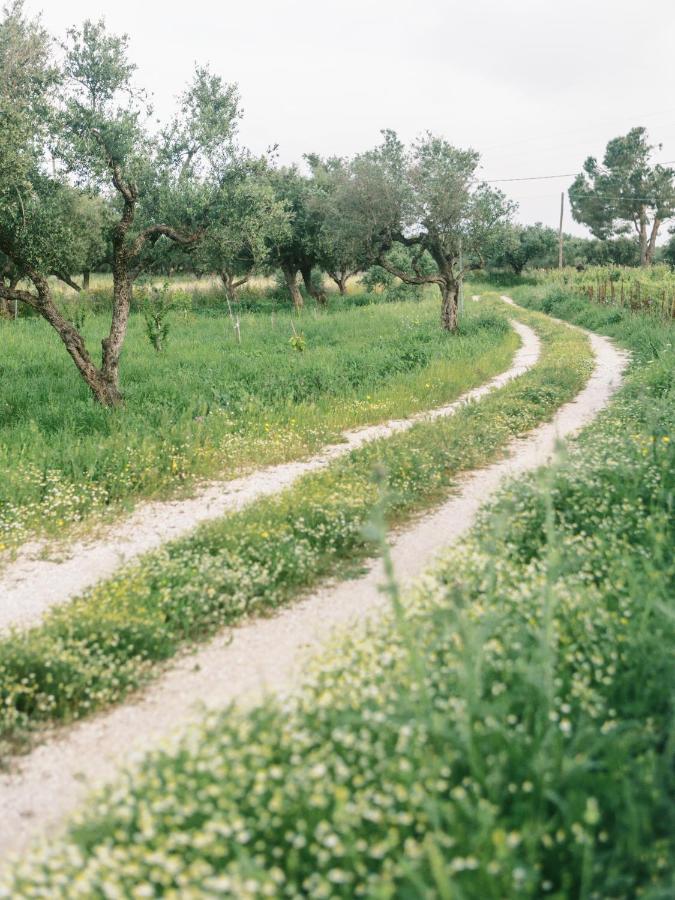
(33, 582)
(263, 655)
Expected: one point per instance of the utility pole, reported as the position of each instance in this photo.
(560, 235)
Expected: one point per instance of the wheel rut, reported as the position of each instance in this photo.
(267, 655)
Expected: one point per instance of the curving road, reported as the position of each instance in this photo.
(267, 655)
(31, 585)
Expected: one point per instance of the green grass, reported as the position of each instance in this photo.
(95, 649)
(649, 290)
(206, 407)
(507, 734)
(648, 338)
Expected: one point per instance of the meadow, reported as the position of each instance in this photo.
(207, 407)
(94, 650)
(650, 291)
(502, 729)
(506, 732)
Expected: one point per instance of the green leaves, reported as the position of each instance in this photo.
(516, 246)
(27, 78)
(201, 136)
(425, 197)
(247, 220)
(626, 192)
(100, 123)
(97, 62)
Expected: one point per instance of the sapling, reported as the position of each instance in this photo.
(157, 305)
(297, 340)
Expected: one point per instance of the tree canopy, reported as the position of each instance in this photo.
(517, 246)
(82, 125)
(625, 191)
(247, 223)
(428, 198)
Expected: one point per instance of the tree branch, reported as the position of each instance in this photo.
(153, 232)
(126, 190)
(8, 293)
(408, 241)
(66, 279)
(404, 276)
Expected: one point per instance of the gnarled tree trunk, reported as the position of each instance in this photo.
(122, 291)
(449, 305)
(340, 279)
(290, 275)
(231, 283)
(113, 342)
(86, 277)
(318, 294)
(105, 391)
(103, 381)
(447, 279)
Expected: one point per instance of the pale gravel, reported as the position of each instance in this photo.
(263, 655)
(33, 582)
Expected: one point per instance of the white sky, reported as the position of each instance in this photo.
(535, 86)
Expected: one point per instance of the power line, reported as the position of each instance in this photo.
(532, 178)
(608, 201)
(667, 162)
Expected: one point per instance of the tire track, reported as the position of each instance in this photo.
(30, 586)
(267, 655)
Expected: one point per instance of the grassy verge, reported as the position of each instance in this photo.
(206, 406)
(507, 734)
(94, 650)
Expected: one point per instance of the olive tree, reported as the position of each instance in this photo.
(625, 192)
(340, 247)
(93, 119)
(246, 223)
(427, 198)
(517, 246)
(299, 250)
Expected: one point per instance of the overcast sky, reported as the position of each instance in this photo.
(534, 86)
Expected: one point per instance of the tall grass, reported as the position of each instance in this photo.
(507, 734)
(650, 290)
(206, 406)
(93, 650)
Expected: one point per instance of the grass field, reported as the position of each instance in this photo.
(507, 733)
(93, 650)
(206, 407)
